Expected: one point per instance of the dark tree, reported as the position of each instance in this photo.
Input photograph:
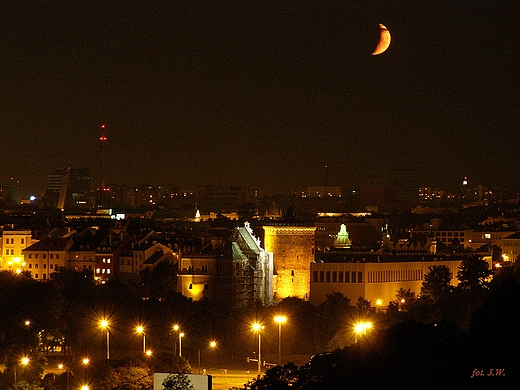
(405, 299)
(364, 307)
(277, 378)
(493, 330)
(128, 378)
(177, 382)
(169, 362)
(436, 282)
(474, 274)
(336, 306)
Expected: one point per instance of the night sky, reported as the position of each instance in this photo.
(260, 94)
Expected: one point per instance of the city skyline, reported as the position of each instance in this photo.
(263, 95)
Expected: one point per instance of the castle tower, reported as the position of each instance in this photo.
(292, 246)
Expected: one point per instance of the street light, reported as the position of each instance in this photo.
(280, 320)
(140, 330)
(360, 328)
(24, 362)
(212, 344)
(181, 335)
(104, 325)
(61, 366)
(379, 303)
(177, 328)
(257, 328)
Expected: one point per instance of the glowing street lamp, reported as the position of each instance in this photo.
(148, 352)
(140, 330)
(24, 362)
(280, 320)
(104, 325)
(212, 344)
(360, 328)
(257, 328)
(181, 335)
(61, 366)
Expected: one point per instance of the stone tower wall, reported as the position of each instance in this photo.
(293, 253)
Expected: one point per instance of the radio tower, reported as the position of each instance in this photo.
(103, 140)
(103, 192)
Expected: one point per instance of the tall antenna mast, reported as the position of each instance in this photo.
(103, 140)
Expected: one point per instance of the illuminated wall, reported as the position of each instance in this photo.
(372, 281)
(293, 252)
(195, 274)
(194, 286)
(12, 244)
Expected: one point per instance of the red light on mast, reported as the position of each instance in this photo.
(103, 137)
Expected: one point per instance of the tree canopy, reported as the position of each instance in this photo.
(437, 281)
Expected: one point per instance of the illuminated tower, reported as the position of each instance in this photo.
(292, 245)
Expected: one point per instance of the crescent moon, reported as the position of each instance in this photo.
(384, 40)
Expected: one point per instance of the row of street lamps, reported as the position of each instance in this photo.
(257, 327)
(360, 328)
(104, 324)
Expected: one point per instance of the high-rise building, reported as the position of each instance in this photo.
(68, 187)
(404, 185)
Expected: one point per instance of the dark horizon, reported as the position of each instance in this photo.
(259, 94)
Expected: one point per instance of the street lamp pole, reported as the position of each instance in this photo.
(280, 320)
(104, 325)
(259, 351)
(140, 330)
(24, 362)
(257, 328)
